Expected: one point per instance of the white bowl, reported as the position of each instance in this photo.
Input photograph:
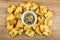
(35, 16)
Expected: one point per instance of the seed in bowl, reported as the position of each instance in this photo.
(29, 19)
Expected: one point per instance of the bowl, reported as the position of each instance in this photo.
(29, 12)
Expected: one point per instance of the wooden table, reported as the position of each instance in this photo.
(53, 5)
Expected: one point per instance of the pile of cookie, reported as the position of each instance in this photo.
(16, 27)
